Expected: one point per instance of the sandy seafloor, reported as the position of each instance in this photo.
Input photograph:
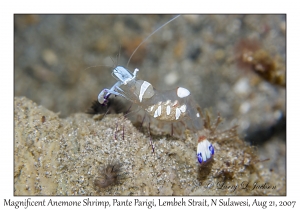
(62, 156)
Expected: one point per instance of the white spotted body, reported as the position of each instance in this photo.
(171, 106)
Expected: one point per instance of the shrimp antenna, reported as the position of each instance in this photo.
(113, 61)
(149, 37)
(103, 65)
(118, 58)
(97, 66)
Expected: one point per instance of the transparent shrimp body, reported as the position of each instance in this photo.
(169, 106)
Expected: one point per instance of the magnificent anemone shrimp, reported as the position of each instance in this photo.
(171, 106)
